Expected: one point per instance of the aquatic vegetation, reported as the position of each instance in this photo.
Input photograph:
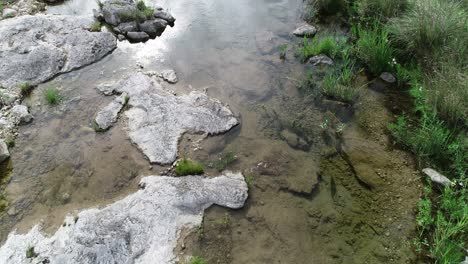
(282, 49)
(25, 88)
(198, 260)
(329, 45)
(250, 180)
(96, 26)
(374, 49)
(10, 141)
(188, 167)
(224, 161)
(335, 87)
(224, 221)
(52, 96)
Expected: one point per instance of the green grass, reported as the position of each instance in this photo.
(282, 51)
(431, 27)
(374, 49)
(381, 9)
(329, 45)
(140, 14)
(198, 260)
(10, 141)
(250, 180)
(96, 26)
(188, 167)
(224, 161)
(332, 87)
(25, 88)
(328, 7)
(52, 96)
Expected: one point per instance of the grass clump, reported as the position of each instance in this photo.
(224, 161)
(198, 260)
(381, 9)
(188, 167)
(374, 49)
(329, 45)
(141, 13)
(282, 51)
(328, 7)
(52, 96)
(25, 88)
(96, 26)
(30, 253)
(432, 26)
(334, 88)
(250, 180)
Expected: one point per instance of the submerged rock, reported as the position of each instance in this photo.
(305, 30)
(141, 228)
(157, 119)
(4, 153)
(437, 177)
(34, 49)
(108, 115)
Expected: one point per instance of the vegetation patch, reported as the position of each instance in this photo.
(188, 167)
(329, 45)
(141, 13)
(198, 260)
(30, 253)
(224, 161)
(25, 88)
(52, 96)
(96, 26)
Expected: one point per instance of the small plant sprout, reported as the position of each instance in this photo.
(25, 88)
(224, 221)
(324, 124)
(188, 167)
(95, 27)
(30, 253)
(249, 179)
(198, 260)
(339, 128)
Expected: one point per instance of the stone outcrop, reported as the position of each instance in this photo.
(109, 114)
(34, 49)
(141, 228)
(21, 114)
(157, 118)
(137, 22)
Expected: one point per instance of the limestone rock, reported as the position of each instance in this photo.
(169, 76)
(157, 119)
(387, 77)
(153, 28)
(4, 153)
(114, 10)
(21, 114)
(305, 30)
(437, 177)
(164, 15)
(8, 13)
(34, 49)
(108, 115)
(141, 228)
(128, 27)
(321, 59)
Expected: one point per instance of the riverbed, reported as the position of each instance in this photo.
(305, 205)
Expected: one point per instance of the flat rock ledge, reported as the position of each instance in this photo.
(109, 114)
(136, 22)
(34, 49)
(157, 118)
(141, 228)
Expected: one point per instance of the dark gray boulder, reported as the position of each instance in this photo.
(137, 36)
(153, 28)
(164, 15)
(128, 27)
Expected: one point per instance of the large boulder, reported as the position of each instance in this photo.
(157, 119)
(34, 49)
(153, 28)
(141, 228)
(117, 11)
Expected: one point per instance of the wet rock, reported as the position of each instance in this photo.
(153, 28)
(164, 15)
(21, 114)
(141, 228)
(293, 140)
(114, 11)
(8, 13)
(321, 59)
(437, 177)
(157, 119)
(169, 76)
(108, 115)
(305, 30)
(4, 153)
(387, 77)
(34, 49)
(12, 211)
(137, 36)
(365, 158)
(128, 27)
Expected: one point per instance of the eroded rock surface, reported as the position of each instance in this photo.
(4, 153)
(109, 114)
(157, 119)
(34, 49)
(141, 228)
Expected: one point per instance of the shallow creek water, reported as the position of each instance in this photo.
(302, 208)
